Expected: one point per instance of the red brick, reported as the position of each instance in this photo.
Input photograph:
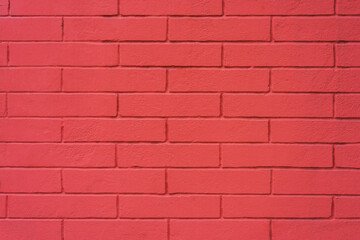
(326, 131)
(277, 105)
(57, 155)
(30, 229)
(114, 181)
(219, 229)
(347, 207)
(58, 105)
(4, 7)
(194, 206)
(24, 29)
(3, 54)
(172, 105)
(219, 181)
(276, 207)
(30, 79)
(115, 29)
(30, 180)
(349, 7)
(348, 55)
(30, 130)
(227, 114)
(218, 130)
(284, 54)
(2, 105)
(347, 106)
(278, 7)
(316, 29)
(2, 206)
(316, 182)
(114, 80)
(214, 80)
(64, 7)
(315, 230)
(171, 7)
(115, 229)
(167, 155)
(62, 206)
(108, 130)
(347, 156)
(219, 29)
(276, 155)
(164, 54)
(315, 80)
(63, 54)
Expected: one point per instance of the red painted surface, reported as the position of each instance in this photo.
(179, 119)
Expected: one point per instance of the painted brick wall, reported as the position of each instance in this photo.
(179, 119)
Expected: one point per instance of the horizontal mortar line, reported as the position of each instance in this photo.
(151, 92)
(281, 67)
(169, 117)
(214, 93)
(175, 41)
(228, 66)
(230, 15)
(54, 218)
(59, 194)
(121, 15)
(268, 195)
(240, 41)
(87, 118)
(85, 92)
(315, 93)
(273, 117)
(162, 141)
(295, 218)
(180, 168)
(110, 15)
(177, 141)
(105, 41)
(63, 167)
(180, 142)
(58, 15)
(336, 42)
(115, 218)
(65, 117)
(179, 67)
(114, 143)
(176, 218)
(243, 92)
(205, 42)
(224, 218)
(104, 117)
(285, 15)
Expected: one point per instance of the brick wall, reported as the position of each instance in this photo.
(179, 119)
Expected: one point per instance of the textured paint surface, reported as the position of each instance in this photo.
(179, 119)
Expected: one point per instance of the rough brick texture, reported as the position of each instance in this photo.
(179, 119)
